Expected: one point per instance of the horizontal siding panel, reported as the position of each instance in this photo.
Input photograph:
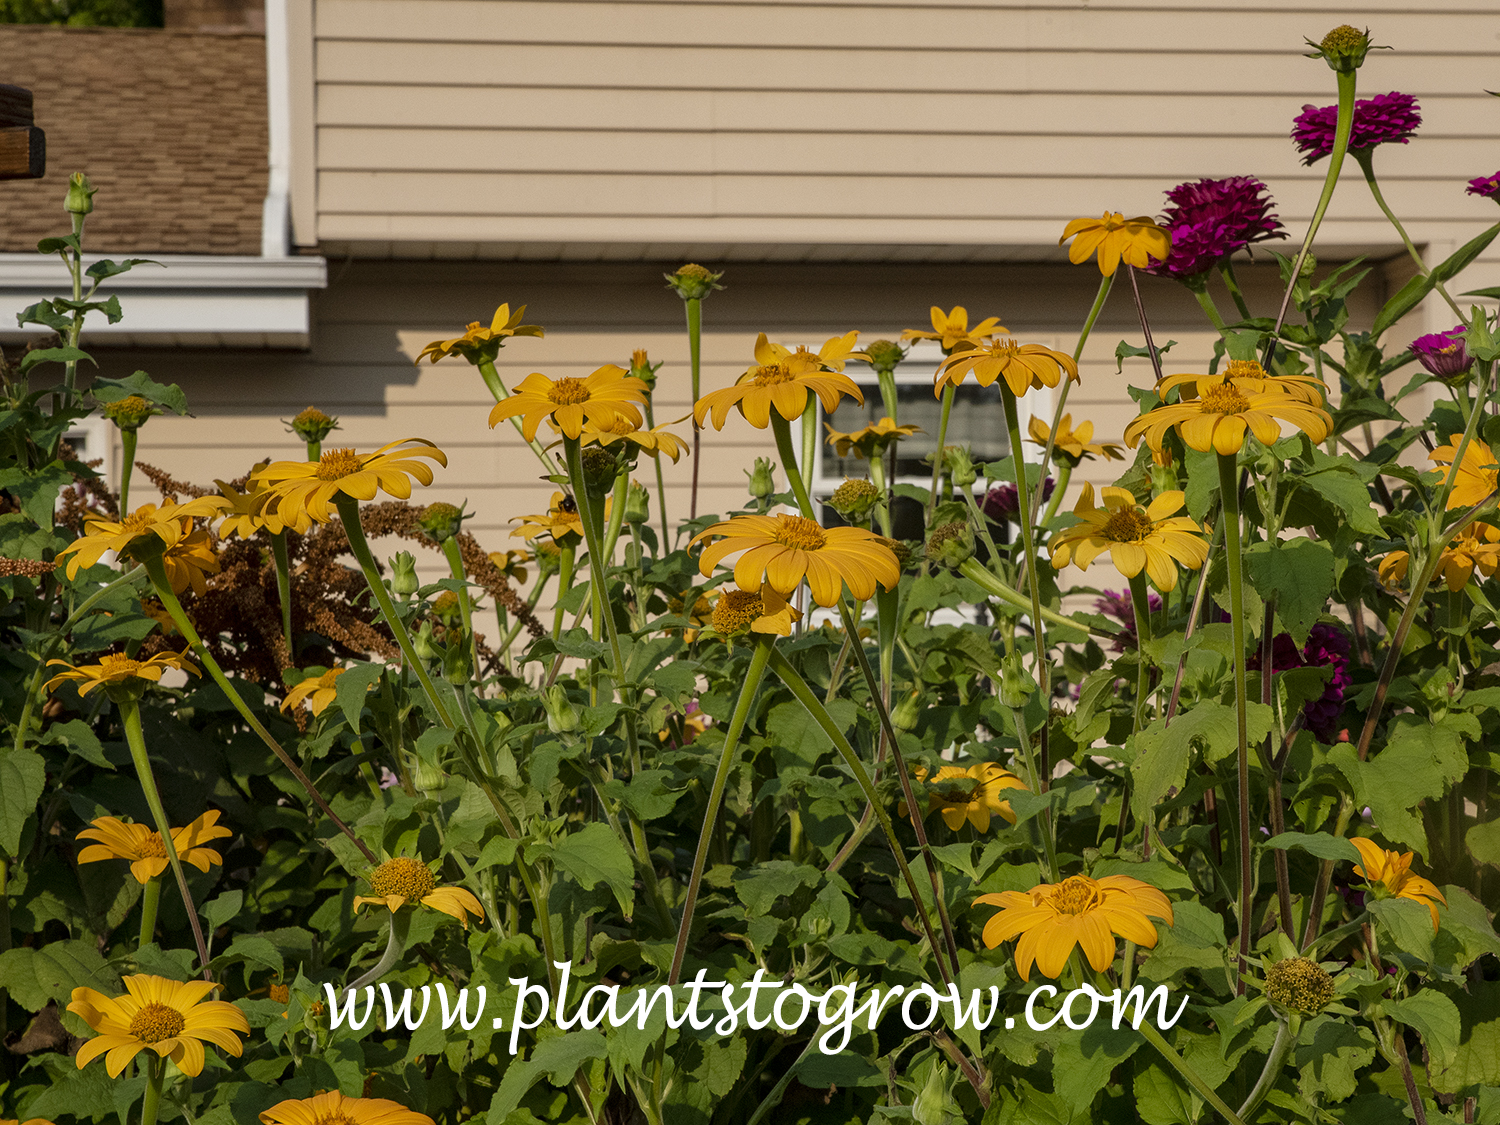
(1221, 115)
(824, 68)
(991, 27)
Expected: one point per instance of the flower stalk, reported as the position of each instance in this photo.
(282, 559)
(150, 900)
(1230, 498)
(1028, 547)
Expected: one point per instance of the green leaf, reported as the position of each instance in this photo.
(559, 1057)
(37, 489)
(1409, 925)
(1329, 1056)
(1418, 762)
(220, 911)
(104, 267)
(1163, 752)
(1483, 842)
(1436, 1019)
(593, 855)
(1298, 573)
(1125, 350)
(1323, 845)
(1342, 482)
(80, 739)
(53, 355)
(168, 395)
(44, 314)
(1476, 1061)
(36, 976)
(646, 794)
(351, 687)
(760, 887)
(23, 776)
(1411, 294)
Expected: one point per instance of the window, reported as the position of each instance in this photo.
(93, 439)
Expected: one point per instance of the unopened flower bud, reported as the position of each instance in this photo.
(1344, 48)
(425, 647)
(404, 580)
(1015, 683)
(441, 522)
(951, 544)
(313, 425)
(643, 369)
(446, 608)
(129, 414)
(599, 468)
(1299, 985)
(905, 714)
(854, 498)
(762, 480)
(1444, 355)
(80, 198)
(637, 504)
(562, 717)
(884, 355)
(429, 778)
(960, 465)
(693, 282)
(458, 664)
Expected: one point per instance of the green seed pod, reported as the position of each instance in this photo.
(404, 580)
(1299, 985)
(762, 480)
(441, 522)
(854, 499)
(562, 717)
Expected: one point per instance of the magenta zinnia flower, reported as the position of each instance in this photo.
(1326, 645)
(1486, 186)
(1383, 119)
(1211, 219)
(1443, 353)
(1122, 609)
(1002, 503)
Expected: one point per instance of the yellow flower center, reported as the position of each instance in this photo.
(800, 533)
(1244, 369)
(1301, 984)
(1128, 525)
(1002, 349)
(403, 876)
(736, 610)
(117, 664)
(156, 1022)
(619, 425)
(151, 847)
(312, 416)
(337, 464)
(1223, 399)
(772, 374)
(281, 993)
(1076, 894)
(568, 391)
(334, 1119)
(137, 523)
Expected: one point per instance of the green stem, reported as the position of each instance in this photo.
(937, 455)
(1028, 548)
(150, 899)
(1365, 158)
(315, 451)
(567, 553)
(127, 463)
(156, 1070)
(75, 268)
(809, 433)
(1232, 283)
(130, 719)
(982, 525)
(1281, 1047)
(1064, 474)
(1189, 1075)
(661, 486)
(883, 508)
(973, 570)
(284, 587)
(616, 516)
(783, 431)
(179, 617)
(455, 558)
(1140, 603)
(395, 944)
(694, 308)
(764, 645)
(1210, 310)
(1229, 495)
(348, 508)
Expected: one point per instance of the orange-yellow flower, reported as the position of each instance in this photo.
(1023, 366)
(308, 489)
(119, 839)
(1476, 547)
(1251, 378)
(316, 691)
(28, 1121)
(1075, 445)
(333, 1108)
(780, 379)
(561, 520)
(1115, 239)
(249, 512)
(1053, 918)
(835, 352)
(1477, 472)
(566, 403)
(952, 331)
(512, 564)
(116, 669)
(781, 550)
(169, 523)
(477, 342)
(971, 793)
(165, 1016)
(737, 612)
(1151, 539)
(868, 443)
(1389, 873)
(654, 442)
(1216, 420)
(404, 881)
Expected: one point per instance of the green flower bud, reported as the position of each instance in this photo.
(951, 544)
(600, 467)
(441, 522)
(854, 498)
(80, 198)
(693, 282)
(960, 466)
(884, 355)
(312, 425)
(643, 369)
(1343, 49)
(905, 714)
(1299, 985)
(637, 504)
(426, 648)
(1015, 682)
(446, 607)
(429, 778)
(458, 664)
(129, 414)
(562, 717)
(762, 482)
(404, 581)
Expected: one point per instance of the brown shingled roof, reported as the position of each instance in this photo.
(170, 126)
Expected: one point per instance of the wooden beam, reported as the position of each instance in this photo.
(23, 153)
(15, 106)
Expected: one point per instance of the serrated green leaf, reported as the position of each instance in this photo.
(53, 355)
(168, 395)
(593, 855)
(1436, 1019)
(1323, 845)
(23, 776)
(1298, 573)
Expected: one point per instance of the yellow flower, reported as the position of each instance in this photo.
(1052, 918)
(28, 1121)
(779, 379)
(1116, 238)
(249, 512)
(404, 881)
(781, 550)
(168, 523)
(117, 669)
(1476, 478)
(317, 691)
(1390, 875)
(333, 1108)
(1476, 547)
(654, 441)
(512, 564)
(165, 1016)
(737, 612)
(1077, 445)
(970, 794)
(307, 489)
(870, 442)
(189, 560)
(952, 331)
(1136, 538)
(566, 403)
(1251, 378)
(118, 839)
(479, 343)
(835, 352)
(1217, 419)
(560, 520)
(1023, 366)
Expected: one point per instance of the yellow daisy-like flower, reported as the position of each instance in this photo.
(143, 847)
(479, 342)
(952, 331)
(781, 550)
(116, 669)
(333, 1108)
(868, 443)
(1250, 377)
(1389, 873)
(166, 1016)
(28, 1121)
(307, 489)
(1476, 547)
(1151, 539)
(654, 441)
(1216, 420)
(1478, 473)
(1023, 366)
(1076, 445)
(404, 881)
(835, 352)
(1115, 239)
(169, 523)
(1052, 918)
(190, 560)
(972, 793)
(780, 379)
(568, 403)
(512, 564)
(737, 612)
(249, 512)
(560, 520)
(316, 691)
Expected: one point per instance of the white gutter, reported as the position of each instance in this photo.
(276, 214)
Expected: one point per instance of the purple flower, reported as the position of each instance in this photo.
(1327, 646)
(1121, 607)
(1443, 353)
(1002, 503)
(1211, 219)
(1385, 118)
(1486, 186)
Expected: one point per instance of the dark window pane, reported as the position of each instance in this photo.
(976, 420)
